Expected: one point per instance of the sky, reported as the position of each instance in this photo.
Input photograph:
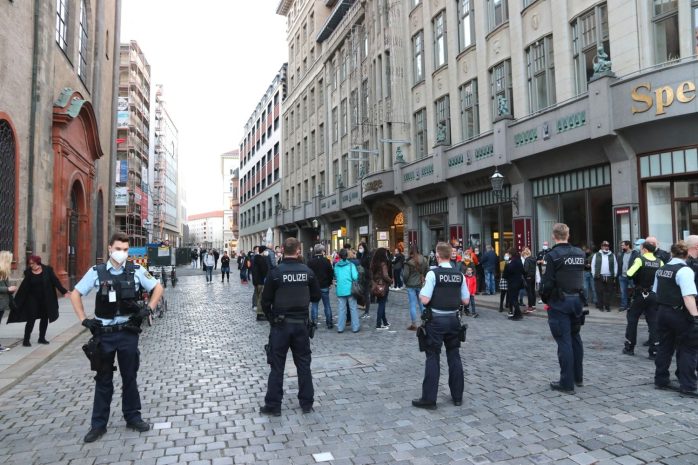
(215, 59)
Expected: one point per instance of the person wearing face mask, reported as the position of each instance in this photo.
(604, 266)
(116, 324)
(36, 299)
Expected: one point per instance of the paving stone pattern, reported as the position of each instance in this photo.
(203, 377)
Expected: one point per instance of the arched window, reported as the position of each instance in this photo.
(62, 24)
(7, 187)
(83, 41)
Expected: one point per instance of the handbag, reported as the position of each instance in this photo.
(357, 290)
(379, 289)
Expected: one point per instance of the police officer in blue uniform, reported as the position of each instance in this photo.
(288, 291)
(561, 288)
(677, 322)
(116, 324)
(444, 291)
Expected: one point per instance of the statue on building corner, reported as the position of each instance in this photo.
(602, 63)
(441, 133)
(399, 156)
(502, 106)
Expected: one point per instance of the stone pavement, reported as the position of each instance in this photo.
(203, 377)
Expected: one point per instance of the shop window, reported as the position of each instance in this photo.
(420, 133)
(443, 121)
(670, 162)
(501, 91)
(658, 200)
(540, 67)
(440, 50)
(589, 31)
(418, 56)
(665, 20)
(574, 214)
(466, 24)
(497, 12)
(469, 110)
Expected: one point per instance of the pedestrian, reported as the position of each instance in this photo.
(116, 325)
(560, 288)
(530, 272)
(364, 256)
(324, 274)
(604, 267)
(444, 292)
(514, 276)
(415, 270)
(194, 258)
(504, 300)
(479, 271)
(642, 271)
(677, 321)
(202, 255)
(489, 262)
(433, 262)
(225, 266)
(285, 298)
(36, 299)
(540, 260)
(242, 258)
(381, 279)
(589, 287)
(6, 289)
(346, 274)
(208, 264)
(216, 254)
(625, 259)
(398, 262)
(260, 270)
(663, 255)
(471, 282)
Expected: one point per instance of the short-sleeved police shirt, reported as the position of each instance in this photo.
(430, 283)
(684, 278)
(91, 281)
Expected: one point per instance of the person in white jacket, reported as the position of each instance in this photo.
(209, 262)
(604, 267)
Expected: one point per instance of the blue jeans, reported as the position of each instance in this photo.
(589, 287)
(209, 273)
(398, 278)
(380, 318)
(342, 318)
(489, 281)
(471, 305)
(564, 321)
(326, 304)
(624, 282)
(413, 298)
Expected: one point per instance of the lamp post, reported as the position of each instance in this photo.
(497, 181)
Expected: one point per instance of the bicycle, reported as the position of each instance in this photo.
(159, 311)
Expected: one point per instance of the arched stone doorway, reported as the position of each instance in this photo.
(389, 225)
(76, 148)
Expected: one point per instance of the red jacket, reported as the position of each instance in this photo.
(471, 281)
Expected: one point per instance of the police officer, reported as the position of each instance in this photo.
(561, 286)
(677, 322)
(444, 291)
(642, 271)
(288, 291)
(116, 325)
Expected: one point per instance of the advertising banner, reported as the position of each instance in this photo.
(122, 113)
(121, 196)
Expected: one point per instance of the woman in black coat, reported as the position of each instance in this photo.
(364, 256)
(36, 299)
(515, 278)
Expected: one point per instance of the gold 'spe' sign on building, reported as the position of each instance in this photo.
(663, 97)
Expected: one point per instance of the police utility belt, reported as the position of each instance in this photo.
(436, 312)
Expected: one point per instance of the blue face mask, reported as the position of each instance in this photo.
(638, 248)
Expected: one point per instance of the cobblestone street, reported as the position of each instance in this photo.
(203, 377)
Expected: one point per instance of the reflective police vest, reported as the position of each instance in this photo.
(447, 290)
(125, 301)
(292, 296)
(568, 263)
(668, 290)
(644, 278)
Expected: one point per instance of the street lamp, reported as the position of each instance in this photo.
(497, 181)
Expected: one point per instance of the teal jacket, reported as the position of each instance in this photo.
(345, 273)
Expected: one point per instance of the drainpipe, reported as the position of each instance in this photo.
(116, 57)
(32, 131)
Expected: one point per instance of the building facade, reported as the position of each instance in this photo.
(167, 223)
(586, 119)
(261, 167)
(230, 173)
(206, 230)
(133, 145)
(59, 68)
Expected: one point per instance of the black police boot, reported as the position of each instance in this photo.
(555, 386)
(266, 410)
(687, 393)
(457, 403)
(307, 409)
(666, 387)
(94, 433)
(628, 350)
(139, 425)
(419, 403)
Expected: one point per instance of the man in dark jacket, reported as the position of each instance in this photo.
(216, 254)
(489, 264)
(260, 269)
(324, 273)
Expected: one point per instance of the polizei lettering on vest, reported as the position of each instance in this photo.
(665, 274)
(574, 261)
(295, 278)
(451, 278)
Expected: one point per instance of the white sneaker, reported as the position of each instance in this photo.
(4, 349)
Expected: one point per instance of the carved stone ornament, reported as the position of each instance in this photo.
(496, 46)
(535, 22)
(418, 97)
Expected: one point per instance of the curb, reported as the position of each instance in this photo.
(21, 369)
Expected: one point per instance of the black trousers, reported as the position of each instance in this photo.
(513, 293)
(564, 318)
(123, 346)
(443, 329)
(281, 338)
(531, 291)
(672, 325)
(647, 306)
(29, 327)
(604, 291)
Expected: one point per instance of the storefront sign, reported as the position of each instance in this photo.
(622, 211)
(663, 96)
(522, 233)
(373, 186)
(363, 230)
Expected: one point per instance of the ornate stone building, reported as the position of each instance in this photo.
(59, 63)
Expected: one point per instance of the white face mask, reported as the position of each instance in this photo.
(545, 247)
(361, 250)
(119, 256)
(506, 257)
